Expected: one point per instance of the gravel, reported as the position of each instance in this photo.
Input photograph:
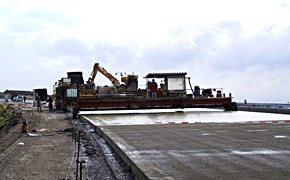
(49, 150)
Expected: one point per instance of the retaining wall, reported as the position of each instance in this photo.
(265, 110)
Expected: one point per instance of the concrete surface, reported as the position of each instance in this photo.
(178, 116)
(203, 151)
(265, 110)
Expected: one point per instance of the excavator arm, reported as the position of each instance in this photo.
(93, 74)
(97, 68)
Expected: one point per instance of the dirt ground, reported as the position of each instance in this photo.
(49, 150)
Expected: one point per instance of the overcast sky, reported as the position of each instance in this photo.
(239, 45)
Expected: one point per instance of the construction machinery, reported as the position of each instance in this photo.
(40, 93)
(73, 93)
(102, 70)
(67, 90)
(130, 82)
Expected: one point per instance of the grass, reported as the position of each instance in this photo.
(5, 115)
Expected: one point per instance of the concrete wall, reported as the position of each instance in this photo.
(265, 110)
(135, 169)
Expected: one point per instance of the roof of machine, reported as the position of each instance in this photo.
(162, 75)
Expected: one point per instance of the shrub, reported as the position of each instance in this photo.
(5, 115)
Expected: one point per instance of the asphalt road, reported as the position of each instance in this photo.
(204, 151)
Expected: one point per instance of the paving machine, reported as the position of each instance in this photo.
(72, 93)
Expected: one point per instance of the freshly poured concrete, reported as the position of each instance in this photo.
(203, 151)
(178, 116)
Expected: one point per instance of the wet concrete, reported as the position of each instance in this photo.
(203, 151)
(178, 116)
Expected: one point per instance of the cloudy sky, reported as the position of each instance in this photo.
(239, 45)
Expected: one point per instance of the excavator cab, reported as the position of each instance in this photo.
(131, 81)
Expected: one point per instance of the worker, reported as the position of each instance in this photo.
(219, 93)
(25, 127)
(153, 89)
(50, 104)
(39, 105)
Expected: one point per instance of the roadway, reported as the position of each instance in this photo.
(203, 151)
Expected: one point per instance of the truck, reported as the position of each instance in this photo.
(40, 93)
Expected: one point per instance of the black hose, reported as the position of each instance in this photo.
(190, 85)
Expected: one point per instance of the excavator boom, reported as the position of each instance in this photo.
(97, 68)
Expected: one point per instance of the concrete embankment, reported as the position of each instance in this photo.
(198, 151)
(113, 144)
(265, 110)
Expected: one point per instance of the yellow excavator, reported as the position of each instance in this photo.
(97, 68)
(88, 89)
